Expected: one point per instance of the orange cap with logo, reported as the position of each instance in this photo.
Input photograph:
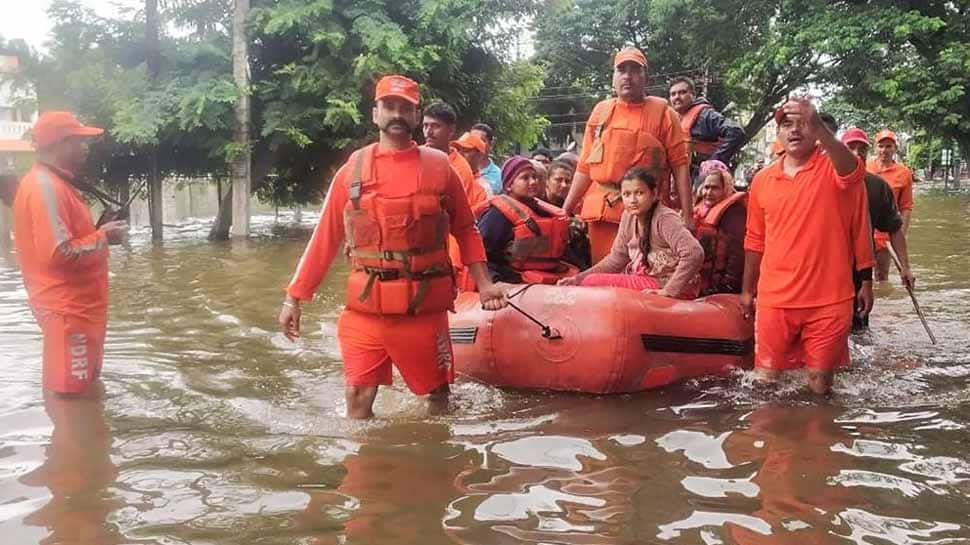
(53, 127)
(629, 54)
(886, 134)
(470, 140)
(398, 86)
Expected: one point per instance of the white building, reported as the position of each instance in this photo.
(14, 122)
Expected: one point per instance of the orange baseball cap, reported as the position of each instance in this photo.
(884, 134)
(629, 54)
(398, 86)
(470, 140)
(53, 127)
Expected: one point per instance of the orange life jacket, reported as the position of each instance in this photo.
(698, 149)
(539, 242)
(614, 152)
(399, 245)
(715, 241)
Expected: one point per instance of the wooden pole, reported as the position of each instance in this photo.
(241, 164)
(912, 296)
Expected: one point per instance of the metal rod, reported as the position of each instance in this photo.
(912, 296)
(547, 331)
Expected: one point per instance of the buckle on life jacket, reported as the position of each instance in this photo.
(613, 196)
(383, 274)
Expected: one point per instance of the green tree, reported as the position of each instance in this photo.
(314, 63)
(905, 60)
(912, 67)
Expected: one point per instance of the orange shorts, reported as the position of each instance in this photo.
(791, 338)
(419, 346)
(881, 239)
(601, 235)
(73, 351)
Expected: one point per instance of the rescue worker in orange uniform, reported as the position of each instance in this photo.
(473, 148)
(710, 135)
(621, 133)
(808, 223)
(64, 257)
(900, 180)
(395, 203)
(439, 130)
(438, 127)
(526, 238)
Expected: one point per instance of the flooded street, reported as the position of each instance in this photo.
(217, 430)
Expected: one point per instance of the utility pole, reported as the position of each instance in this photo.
(241, 163)
(151, 59)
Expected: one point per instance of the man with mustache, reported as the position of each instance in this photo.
(900, 180)
(396, 203)
(709, 134)
(630, 130)
(439, 130)
(807, 225)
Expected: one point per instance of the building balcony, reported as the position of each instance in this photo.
(13, 130)
(12, 136)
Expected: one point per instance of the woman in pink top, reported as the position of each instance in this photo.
(653, 251)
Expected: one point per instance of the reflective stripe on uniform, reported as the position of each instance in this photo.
(62, 236)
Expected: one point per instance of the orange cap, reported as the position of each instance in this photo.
(884, 134)
(398, 86)
(470, 140)
(52, 127)
(629, 54)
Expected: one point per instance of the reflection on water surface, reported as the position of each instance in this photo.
(217, 430)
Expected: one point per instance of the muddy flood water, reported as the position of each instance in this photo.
(216, 430)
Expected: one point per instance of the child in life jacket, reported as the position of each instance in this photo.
(720, 214)
(526, 239)
(653, 251)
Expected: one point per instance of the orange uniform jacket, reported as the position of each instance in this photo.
(392, 169)
(473, 191)
(810, 228)
(63, 258)
(900, 180)
(468, 178)
(645, 134)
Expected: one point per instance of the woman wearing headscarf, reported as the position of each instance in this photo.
(720, 214)
(526, 239)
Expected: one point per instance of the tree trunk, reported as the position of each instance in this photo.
(220, 226)
(241, 163)
(6, 226)
(151, 60)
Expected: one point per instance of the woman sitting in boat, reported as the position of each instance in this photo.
(526, 239)
(720, 214)
(653, 251)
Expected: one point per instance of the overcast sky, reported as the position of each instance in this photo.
(27, 19)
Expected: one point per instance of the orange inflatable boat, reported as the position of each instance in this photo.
(598, 340)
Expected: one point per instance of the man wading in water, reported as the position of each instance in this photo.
(808, 223)
(395, 203)
(64, 257)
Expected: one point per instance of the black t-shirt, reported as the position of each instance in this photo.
(882, 206)
(883, 215)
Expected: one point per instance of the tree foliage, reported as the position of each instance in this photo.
(905, 61)
(314, 64)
